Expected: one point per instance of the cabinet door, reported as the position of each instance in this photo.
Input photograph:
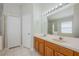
(65, 51)
(36, 43)
(41, 48)
(48, 51)
(58, 54)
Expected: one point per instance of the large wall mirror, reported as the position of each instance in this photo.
(63, 22)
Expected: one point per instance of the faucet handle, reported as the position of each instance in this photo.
(60, 38)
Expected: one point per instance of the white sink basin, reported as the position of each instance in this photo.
(43, 35)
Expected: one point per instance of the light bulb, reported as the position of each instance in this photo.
(56, 6)
(60, 4)
(52, 8)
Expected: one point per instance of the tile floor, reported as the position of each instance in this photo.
(19, 51)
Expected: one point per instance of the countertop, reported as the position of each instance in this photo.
(68, 42)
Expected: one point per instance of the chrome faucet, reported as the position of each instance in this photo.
(60, 38)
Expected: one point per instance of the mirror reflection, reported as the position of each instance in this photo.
(63, 23)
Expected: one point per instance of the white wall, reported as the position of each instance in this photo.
(76, 20)
(12, 9)
(36, 18)
(1, 10)
(44, 24)
(1, 26)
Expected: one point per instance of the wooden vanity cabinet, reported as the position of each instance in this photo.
(46, 48)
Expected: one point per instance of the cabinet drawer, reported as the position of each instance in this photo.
(76, 53)
(48, 44)
(58, 54)
(41, 40)
(65, 51)
(52, 45)
(36, 38)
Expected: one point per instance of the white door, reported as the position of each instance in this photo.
(26, 31)
(13, 31)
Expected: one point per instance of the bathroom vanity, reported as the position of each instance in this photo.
(46, 46)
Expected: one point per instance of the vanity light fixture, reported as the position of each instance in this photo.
(60, 5)
(51, 10)
(55, 8)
